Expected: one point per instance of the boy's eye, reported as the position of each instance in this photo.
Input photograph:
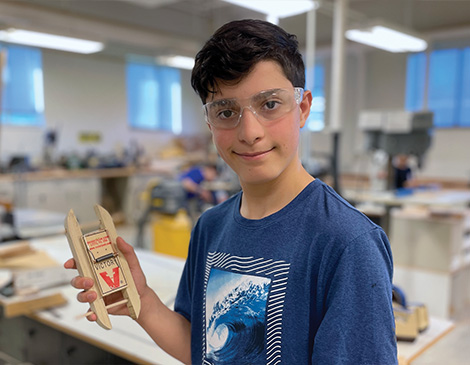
(225, 114)
(270, 105)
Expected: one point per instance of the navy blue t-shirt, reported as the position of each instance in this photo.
(311, 283)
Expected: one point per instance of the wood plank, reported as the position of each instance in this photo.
(18, 306)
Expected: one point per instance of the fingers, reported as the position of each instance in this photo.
(87, 296)
(134, 264)
(92, 317)
(124, 247)
(70, 264)
(80, 282)
(128, 252)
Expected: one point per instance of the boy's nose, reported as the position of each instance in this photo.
(249, 129)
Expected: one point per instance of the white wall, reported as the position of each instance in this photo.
(449, 155)
(87, 93)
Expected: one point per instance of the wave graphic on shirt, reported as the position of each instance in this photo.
(236, 318)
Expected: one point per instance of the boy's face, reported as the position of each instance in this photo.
(262, 152)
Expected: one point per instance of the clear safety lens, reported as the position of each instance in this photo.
(267, 106)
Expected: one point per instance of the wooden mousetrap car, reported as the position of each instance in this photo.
(97, 256)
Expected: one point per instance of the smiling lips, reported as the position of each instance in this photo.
(252, 155)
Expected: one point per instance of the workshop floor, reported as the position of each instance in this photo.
(453, 349)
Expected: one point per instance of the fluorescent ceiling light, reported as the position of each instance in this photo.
(183, 62)
(150, 3)
(52, 41)
(275, 9)
(387, 39)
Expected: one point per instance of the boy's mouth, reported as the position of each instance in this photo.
(253, 154)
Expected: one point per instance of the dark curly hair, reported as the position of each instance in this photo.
(235, 48)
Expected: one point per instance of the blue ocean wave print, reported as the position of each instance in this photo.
(236, 320)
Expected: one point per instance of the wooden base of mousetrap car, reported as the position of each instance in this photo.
(97, 256)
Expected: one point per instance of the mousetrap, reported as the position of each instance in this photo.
(97, 256)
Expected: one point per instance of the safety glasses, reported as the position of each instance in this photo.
(267, 106)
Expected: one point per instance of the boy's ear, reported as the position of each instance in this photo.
(305, 105)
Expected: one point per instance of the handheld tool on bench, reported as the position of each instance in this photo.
(97, 256)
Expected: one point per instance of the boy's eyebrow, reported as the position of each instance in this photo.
(259, 95)
(222, 102)
(263, 94)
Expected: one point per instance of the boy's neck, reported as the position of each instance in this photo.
(262, 200)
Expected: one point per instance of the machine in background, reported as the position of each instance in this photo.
(397, 132)
(171, 225)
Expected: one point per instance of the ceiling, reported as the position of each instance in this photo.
(181, 26)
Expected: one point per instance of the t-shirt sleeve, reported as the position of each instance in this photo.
(183, 295)
(358, 325)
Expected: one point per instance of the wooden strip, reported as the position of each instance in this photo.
(107, 307)
(21, 307)
(16, 248)
(75, 239)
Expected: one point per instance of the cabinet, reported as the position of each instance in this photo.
(117, 190)
(7, 190)
(29, 341)
(53, 194)
(61, 195)
(431, 252)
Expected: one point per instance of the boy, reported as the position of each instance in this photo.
(285, 271)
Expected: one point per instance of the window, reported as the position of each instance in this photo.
(316, 119)
(154, 97)
(463, 113)
(448, 94)
(415, 76)
(443, 86)
(22, 89)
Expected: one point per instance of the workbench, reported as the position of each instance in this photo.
(118, 190)
(57, 332)
(417, 196)
(384, 201)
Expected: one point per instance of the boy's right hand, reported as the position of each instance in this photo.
(85, 284)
